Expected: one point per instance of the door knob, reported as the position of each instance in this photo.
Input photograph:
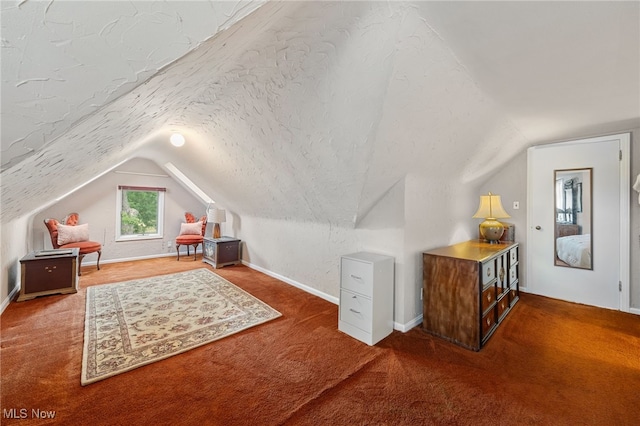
(538, 227)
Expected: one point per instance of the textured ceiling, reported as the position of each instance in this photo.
(307, 110)
(64, 60)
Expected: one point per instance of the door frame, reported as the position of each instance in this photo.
(625, 212)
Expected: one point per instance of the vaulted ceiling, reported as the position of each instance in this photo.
(304, 110)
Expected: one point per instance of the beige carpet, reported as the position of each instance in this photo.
(137, 322)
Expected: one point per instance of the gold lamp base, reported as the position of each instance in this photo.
(216, 230)
(491, 230)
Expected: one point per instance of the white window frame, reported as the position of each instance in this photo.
(160, 225)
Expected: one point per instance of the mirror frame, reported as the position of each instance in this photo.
(581, 215)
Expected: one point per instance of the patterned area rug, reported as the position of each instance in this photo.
(137, 322)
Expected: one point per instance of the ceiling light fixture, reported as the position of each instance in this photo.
(177, 139)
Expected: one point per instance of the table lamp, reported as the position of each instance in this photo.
(216, 216)
(491, 209)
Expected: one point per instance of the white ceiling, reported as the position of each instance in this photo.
(304, 110)
(64, 60)
(554, 67)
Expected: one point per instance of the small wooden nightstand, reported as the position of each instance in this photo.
(49, 272)
(223, 251)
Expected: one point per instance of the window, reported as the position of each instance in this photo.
(139, 213)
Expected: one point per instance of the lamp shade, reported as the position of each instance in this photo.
(490, 207)
(217, 216)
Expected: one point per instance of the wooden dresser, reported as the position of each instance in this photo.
(468, 290)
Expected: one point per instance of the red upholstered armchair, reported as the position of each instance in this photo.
(191, 233)
(68, 234)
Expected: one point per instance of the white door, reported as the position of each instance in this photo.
(600, 284)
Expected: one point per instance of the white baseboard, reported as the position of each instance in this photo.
(408, 326)
(336, 301)
(130, 259)
(294, 283)
(9, 298)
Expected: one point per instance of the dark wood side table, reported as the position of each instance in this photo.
(223, 251)
(48, 272)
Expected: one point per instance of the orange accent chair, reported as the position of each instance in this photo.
(191, 234)
(80, 240)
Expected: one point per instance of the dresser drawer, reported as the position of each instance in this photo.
(357, 276)
(488, 297)
(513, 275)
(513, 296)
(356, 310)
(513, 255)
(488, 322)
(503, 305)
(488, 271)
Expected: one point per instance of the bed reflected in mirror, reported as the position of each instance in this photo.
(573, 218)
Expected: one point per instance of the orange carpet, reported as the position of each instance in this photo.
(550, 363)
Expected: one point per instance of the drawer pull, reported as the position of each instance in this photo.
(488, 272)
(501, 274)
(488, 322)
(488, 297)
(354, 311)
(355, 277)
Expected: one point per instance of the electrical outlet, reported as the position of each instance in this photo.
(168, 244)
(516, 205)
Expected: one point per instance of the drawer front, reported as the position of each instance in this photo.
(228, 252)
(513, 255)
(357, 276)
(488, 297)
(488, 271)
(513, 275)
(488, 322)
(503, 305)
(513, 296)
(356, 310)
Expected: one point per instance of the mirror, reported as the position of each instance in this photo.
(573, 218)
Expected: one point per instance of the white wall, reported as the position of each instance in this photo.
(417, 214)
(307, 254)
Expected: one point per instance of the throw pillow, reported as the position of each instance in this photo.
(191, 228)
(72, 234)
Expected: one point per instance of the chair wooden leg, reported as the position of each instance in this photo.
(178, 250)
(99, 254)
(80, 257)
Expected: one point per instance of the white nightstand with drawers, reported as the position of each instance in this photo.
(366, 296)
